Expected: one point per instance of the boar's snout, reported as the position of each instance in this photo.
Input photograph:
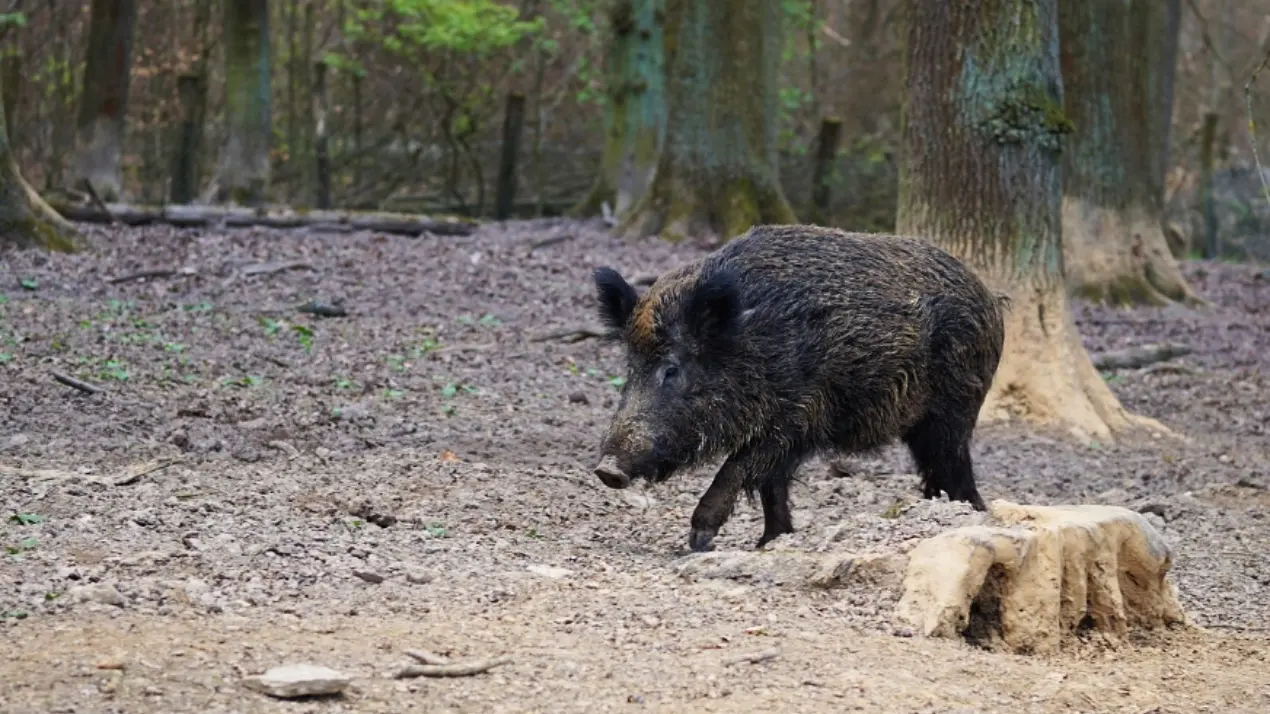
(611, 474)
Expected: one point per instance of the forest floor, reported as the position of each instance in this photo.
(258, 486)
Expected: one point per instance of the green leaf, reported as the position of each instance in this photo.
(29, 283)
(26, 519)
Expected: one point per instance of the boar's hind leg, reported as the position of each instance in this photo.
(753, 464)
(774, 493)
(941, 448)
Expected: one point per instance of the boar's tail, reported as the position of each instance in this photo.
(1003, 301)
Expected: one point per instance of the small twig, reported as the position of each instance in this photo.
(1252, 125)
(550, 241)
(98, 203)
(1239, 628)
(644, 279)
(465, 348)
(455, 669)
(570, 335)
(276, 267)
(127, 479)
(322, 309)
(151, 273)
(77, 384)
(142, 275)
(426, 657)
(754, 658)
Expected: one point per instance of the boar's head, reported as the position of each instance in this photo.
(682, 340)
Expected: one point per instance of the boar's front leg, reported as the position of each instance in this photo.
(756, 463)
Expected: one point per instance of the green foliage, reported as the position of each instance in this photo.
(414, 29)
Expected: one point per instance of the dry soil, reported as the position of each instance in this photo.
(256, 485)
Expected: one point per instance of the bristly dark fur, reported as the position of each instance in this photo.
(792, 341)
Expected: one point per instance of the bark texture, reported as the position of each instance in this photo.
(26, 221)
(243, 174)
(635, 117)
(1117, 64)
(716, 174)
(103, 103)
(980, 175)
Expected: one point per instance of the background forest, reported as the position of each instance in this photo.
(414, 94)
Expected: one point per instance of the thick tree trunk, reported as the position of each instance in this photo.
(716, 174)
(103, 103)
(25, 219)
(980, 175)
(635, 117)
(1117, 58)
(243, 175)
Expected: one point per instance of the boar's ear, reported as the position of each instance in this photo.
(617, 298)
(713, 310)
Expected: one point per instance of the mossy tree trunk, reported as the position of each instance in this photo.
(980, 176)
(103, 102)
(243, 173)
(1117, 64)
(716, 174)
(635, 116)
(25, 219)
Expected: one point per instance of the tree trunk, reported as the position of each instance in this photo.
(635, 116)
(103, 102)
(716, 175)
(189, 136)
(1117, 79)
(980, 175)
(244, 165)
(25, 219)
(321, 151)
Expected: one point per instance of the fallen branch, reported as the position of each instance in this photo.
(77, 384)
(191, 216)
(454, 669)
(754, 658)
(1140, 356)
(570, 335)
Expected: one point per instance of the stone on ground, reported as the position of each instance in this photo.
(297, 680)
(1041, 574)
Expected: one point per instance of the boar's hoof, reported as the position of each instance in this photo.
(612, 475)
(701, 540)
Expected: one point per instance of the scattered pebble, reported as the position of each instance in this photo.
(550, 571)
(101, 593)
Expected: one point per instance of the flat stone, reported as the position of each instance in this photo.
(297, 680)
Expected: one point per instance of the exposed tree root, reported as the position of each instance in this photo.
(1120, 258)
(1047, 378)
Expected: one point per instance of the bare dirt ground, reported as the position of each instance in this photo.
(416, 474)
